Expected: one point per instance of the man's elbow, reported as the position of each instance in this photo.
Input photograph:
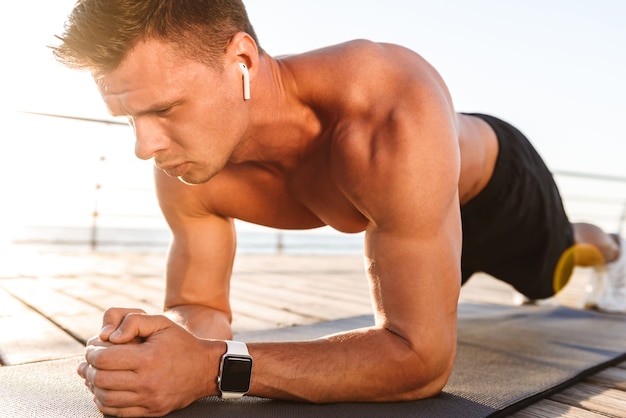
(430, 387)
(425, 375)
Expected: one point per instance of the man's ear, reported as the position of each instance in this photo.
(242, 49)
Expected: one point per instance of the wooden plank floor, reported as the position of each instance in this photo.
(51, 303)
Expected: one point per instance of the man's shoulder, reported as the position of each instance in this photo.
(361, 76)
(358, 57)
(356, 49)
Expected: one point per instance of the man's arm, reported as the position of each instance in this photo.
(405, 183)
(199, 262)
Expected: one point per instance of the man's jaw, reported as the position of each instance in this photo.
(175, 170)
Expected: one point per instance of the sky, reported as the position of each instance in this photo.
(554, 68)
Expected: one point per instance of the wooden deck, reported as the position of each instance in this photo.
(51, 303)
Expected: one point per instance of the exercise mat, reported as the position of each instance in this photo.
(507, 358)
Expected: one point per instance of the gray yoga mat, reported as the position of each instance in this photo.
(507, 358)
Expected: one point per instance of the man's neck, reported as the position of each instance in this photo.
(282, 126)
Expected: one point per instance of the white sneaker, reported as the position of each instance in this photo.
(613, 298)
(594, 287)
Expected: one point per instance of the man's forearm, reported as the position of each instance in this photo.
(368, 365)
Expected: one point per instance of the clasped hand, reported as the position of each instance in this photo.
(145, 365)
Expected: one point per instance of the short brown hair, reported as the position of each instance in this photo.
(99, 33)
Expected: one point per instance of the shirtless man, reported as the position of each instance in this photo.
(359, 136)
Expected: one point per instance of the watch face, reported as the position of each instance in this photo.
(236, 374)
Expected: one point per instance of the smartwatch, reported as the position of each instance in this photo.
(235, 371)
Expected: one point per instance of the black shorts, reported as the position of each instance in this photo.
(516, 228)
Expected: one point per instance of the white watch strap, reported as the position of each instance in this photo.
(231, 395)
(237, 347)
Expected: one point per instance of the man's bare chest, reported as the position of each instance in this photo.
(320, 191)
(306, 197)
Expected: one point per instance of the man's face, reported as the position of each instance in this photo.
(183, 112)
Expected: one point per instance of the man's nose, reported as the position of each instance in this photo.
(149, 139)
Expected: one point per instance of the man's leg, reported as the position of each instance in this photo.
(594, 247)
(604, 253)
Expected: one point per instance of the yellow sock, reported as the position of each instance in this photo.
(584, 255)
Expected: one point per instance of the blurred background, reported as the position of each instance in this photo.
(554, 68)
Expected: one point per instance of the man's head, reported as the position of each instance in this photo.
(174, 69)
(99, 33)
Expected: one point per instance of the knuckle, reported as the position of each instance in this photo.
(111, 312)
(81, 369)
(121, 312)
(93, 340)
(105, 398)
(89, 386)
(152, 386)
(150, 356)
(97, 342)
(97, 378)
(132, 318)
(160, 407)
(96, 359)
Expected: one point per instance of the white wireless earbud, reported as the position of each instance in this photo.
(246, 81)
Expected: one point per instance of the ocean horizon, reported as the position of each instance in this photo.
(116, 239)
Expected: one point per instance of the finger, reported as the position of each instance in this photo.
(82, 372)
(135, 325)
(96, 341)
(136, 411)
(115, 357)
(89, 386)
(116, 380)
(117, 399)
(128, 404)
(82, 369)
(112, 318)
